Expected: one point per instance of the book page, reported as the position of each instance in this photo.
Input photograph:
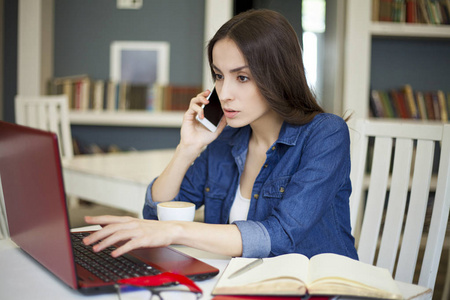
(291, 268)
(332, 268)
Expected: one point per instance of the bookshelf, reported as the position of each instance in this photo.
(110, 103)
(360, 32)
(422, 31)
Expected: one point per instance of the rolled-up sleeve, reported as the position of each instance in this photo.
(255, 239)
(149, 211)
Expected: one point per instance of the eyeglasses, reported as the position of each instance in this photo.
(138, 293)
(165, 286)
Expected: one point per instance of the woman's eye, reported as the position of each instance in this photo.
(242, 78)
(218, 76)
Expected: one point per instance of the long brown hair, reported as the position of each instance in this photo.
(272, 50)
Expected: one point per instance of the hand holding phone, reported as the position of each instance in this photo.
(212, 112)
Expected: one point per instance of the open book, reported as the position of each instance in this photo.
(295, 274)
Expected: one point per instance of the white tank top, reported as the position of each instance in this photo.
(239, 209)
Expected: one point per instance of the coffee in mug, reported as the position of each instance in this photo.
(176, 211)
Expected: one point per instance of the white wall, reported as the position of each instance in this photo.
(217, 12)
(35, 46)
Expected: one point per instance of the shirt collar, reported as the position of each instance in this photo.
(289, 134)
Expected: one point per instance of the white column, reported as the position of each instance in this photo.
(357, 58)
(217, 12)
(35, 46)
(332, 69)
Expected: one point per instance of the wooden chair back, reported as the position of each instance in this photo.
(400, 202)
(50, 113)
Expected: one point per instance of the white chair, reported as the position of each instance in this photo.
(398, 195)
(50, 113)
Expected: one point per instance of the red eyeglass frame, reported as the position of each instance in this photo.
(162, 279)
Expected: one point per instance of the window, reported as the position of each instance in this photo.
(140, 62)
(313, 24)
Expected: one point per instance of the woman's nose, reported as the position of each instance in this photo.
(224, 91)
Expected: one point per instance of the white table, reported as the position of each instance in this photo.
(118, 180)
(21, 277)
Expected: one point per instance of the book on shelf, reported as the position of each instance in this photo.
(429, 106)
(76, 88)
(421, 105)
(443, 105)
(383, 102)
(399, 102)
(411, 103)
(384, 10)
(98, 95)
(173, 97)
(296, 275)
(389, 10)
(376, 105)
(404, 103)
(411, 11)
(86, 94)
(435, 104)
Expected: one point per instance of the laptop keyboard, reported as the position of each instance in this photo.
(106, 267)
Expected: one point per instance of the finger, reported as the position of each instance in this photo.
(195, 108)
(201, 98)
(127, 247)
(138, 240)
(95, 237)
(196, 103)
(117, 236)
(105, 232)
(205, 93)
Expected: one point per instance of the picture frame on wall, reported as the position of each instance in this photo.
(140, 62)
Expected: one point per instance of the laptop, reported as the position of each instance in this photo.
(38, 220)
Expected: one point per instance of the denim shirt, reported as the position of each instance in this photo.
(300, 198)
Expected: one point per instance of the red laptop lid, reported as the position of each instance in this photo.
(31, 177)
(33, 189)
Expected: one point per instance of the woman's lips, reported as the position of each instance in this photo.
(229, 113)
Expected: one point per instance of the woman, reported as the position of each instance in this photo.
(275, 180)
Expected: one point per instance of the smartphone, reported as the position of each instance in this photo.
(212, 111)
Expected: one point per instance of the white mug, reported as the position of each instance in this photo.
(176, 211)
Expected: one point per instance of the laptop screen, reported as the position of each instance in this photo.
(33, 190)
